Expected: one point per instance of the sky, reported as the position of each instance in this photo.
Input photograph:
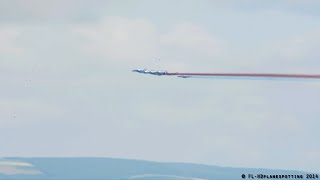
(67, 88)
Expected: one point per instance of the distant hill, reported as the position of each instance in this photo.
(120, 169)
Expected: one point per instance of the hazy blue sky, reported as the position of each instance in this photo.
(67, 90)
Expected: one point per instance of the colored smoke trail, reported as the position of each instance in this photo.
(254, 78)
(245, 76)
(250, 76)
(255, 75)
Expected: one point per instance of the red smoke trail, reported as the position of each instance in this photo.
(263, 75)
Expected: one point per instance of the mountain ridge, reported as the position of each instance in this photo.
(62, 168)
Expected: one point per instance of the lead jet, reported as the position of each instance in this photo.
(139, 70)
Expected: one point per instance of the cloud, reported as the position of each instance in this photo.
(191, 39)
(11, 170)
(304, 7)
(292, 54)
(24, 112)
(14, 163)
(136, 41)
(14, 168)
(59, 11)
(75, 11)
(8, 40)
(120, 39)
(302, 48)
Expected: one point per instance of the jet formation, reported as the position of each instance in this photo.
(228, 75)
(145, 71)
